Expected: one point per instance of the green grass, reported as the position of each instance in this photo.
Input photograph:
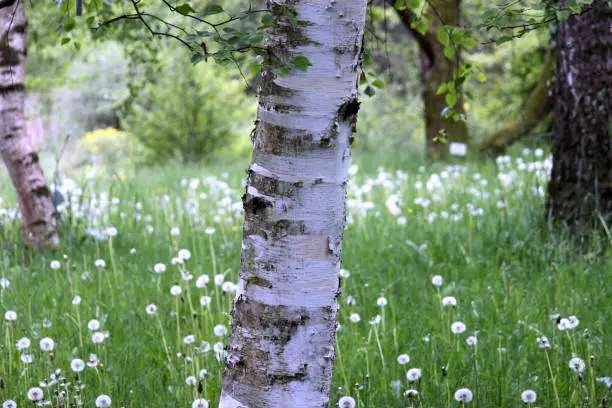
(507, 273)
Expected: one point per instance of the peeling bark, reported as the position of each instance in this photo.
(435, 70)
(581, 179)
(20, 157)
(539, 105)
(282, 341)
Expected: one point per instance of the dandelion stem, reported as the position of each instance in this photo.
(552, 378)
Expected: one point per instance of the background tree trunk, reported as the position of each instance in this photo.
(581, 180)
(538, 106)
(435, 70)
(282, 342)
(18, 153)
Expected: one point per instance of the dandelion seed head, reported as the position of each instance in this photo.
(528, 396)
(463, 395)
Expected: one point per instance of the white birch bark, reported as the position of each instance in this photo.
(282, 342)
(18, 153)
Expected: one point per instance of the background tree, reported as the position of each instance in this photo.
(282, 340)
(18, 152)
(581, 180)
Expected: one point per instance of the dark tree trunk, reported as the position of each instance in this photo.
(581, 182)
(435, 70)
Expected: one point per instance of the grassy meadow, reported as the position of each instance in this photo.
(450, 281)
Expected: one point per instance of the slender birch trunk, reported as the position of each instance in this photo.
(20, 157)
(580, 187)
(282, 343)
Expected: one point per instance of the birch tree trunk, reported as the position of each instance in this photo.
(581, 179)
(18, 153)
(282, 342)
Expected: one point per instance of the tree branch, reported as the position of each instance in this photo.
(6, 3)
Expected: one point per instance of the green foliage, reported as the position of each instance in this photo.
(190, 113)
(109, 147)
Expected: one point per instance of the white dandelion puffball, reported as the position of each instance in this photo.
(111, 231)
(191, 380)
(202, 281)
(4, 283)
(190, 339)
(528, 396)
(200, 403)
(436, 280)
(607, 381)
(355, 318)
(449, 301)
(564, 324)
(346, 402)
(219, 279)
(209, 230)
(93, 325)
(103, 401)
(47, 344)
(55, 264)
(151, 309)
(97, 338)
(205, 300)
(577, 364)
(27, 358)
(573, 321)
(77, 365)
(472, 340)
(344, 274)
(10, 316)
(463, 395)
(175, 232)
(100, 263)
(414, 374)
(23, 343)
(381, 301)
(184, 254)
(411, 393)
(176, 290)
(159, 268)
(403, 359)
(35, 394)
(76, 300)
(9, 404)
(458, 327)
(220, 330)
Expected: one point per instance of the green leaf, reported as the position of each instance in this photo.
(451, 99)
(443, 36)
(267, 20)
(413, 4)
(563, 15)
(481, 77)
(196, 57)
(378, 83)
(441, 89)
(185, 9)
(212, 9)
(469, 42)
(370, 91)
(420, 26)
(77, 45)
(301, 62)
(503, 39)
(69, 24)
(65, 40)
(449, 51)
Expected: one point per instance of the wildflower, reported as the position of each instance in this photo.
(355, 318)
(100, 263)
(607, 381)
(9, 404)
(411, 393)
(564, 324)
(209, 230)
(93, 325)
(577, 364)
(220, 330)
(97, 338)
(151, 309)
(202, 281)
(413, 374)
(93, 361)
(200, 403)
(4, 283)
(111, 232)
(344, 274)
(159, 268)
(184, 254)
(133, 251)
(346, 402)
(191, 380)
(10, 315)
(47, 344)
(229, 287)
(458, 327)
(175, 290)
(463, 395)
(175, 231)
(47, 323)
(204, 346)
(177, 261)
(381, 301)
(55, 264)
(375, 320)
(528, 396)
(76, 300)
(543, 342)
(203, 373)
(573, 322)
(472, 340)
(103, 401)
(219, 279)
(205, 300)
(436, 280)
(403, 359)
(77, 365)
(23, 343)
(35, 394)
(449, 301)
(26, 358)
(190, 339)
